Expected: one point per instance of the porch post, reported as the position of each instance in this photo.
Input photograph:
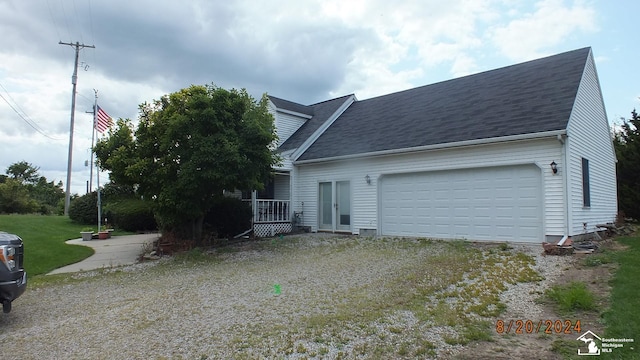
(254, 206)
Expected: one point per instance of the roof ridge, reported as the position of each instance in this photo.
(337, 98)
(502, 68)
(285, 100)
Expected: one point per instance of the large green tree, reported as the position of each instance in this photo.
(14, 198)
(25, 191)
(627, 146)
(24, 172)
(188, 147)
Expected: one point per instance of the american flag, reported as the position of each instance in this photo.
(103, 120)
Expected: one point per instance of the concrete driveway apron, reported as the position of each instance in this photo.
(117, 251)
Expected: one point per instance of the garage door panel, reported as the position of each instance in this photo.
(502, 203)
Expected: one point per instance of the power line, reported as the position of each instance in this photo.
(15, 102)
(25, 117)
(93, 37)
(55, 25)
(75, 10)
(65, 19)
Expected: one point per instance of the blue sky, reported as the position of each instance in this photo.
(304, 51)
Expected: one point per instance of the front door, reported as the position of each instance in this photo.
(334, 200)
(343, 206)
(325, 199)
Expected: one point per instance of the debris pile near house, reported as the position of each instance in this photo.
(614, 230)
(587, 246)
(563, 247)
(569, 247)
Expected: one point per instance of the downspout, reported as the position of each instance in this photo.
(563, 140)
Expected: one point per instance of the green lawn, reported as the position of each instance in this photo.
(622, 319)
(44, 238)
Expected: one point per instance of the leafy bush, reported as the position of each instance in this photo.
(130, 215)
(229, 217)
(84, 209)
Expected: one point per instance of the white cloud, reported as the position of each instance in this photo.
(410, 38)
(532, 34)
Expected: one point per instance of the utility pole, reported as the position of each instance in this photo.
(74, 81)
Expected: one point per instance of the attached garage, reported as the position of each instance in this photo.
(494, 203)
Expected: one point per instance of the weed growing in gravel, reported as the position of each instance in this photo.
(425, 347)
(565, 348)
(195, 255)
(454, 286)
(574, 296)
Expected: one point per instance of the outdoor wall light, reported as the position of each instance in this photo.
(554, 167)
(368, 179)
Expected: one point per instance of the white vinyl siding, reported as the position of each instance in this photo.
(365, 196)
(285, 161)
(286, 125)
(589, 137)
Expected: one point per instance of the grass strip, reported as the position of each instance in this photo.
(44, 241)
(622, 319)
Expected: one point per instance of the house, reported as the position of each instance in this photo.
(521, 153)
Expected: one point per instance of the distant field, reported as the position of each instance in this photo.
(44, 240)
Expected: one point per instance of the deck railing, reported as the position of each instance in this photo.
(267, 211)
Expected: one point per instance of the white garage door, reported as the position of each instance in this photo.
(499, 203)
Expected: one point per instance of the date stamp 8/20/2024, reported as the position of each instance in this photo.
(528, 326)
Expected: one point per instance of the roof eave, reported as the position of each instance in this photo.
(530, 136)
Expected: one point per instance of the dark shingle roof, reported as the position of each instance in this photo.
(321, 112)
(291, 106)
(531, 97)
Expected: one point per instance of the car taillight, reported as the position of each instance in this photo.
(7, 256)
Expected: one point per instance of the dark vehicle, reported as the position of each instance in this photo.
(13, 278)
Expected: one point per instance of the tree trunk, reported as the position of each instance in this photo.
(197, 230)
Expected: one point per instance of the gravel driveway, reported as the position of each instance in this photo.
(340, 297)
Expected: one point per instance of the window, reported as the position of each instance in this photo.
(586, 191)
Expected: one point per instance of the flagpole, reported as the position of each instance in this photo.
(99, 200)
(93, 136)
(97, 167)
(102, 122)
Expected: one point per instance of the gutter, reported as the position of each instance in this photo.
(493, 140)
